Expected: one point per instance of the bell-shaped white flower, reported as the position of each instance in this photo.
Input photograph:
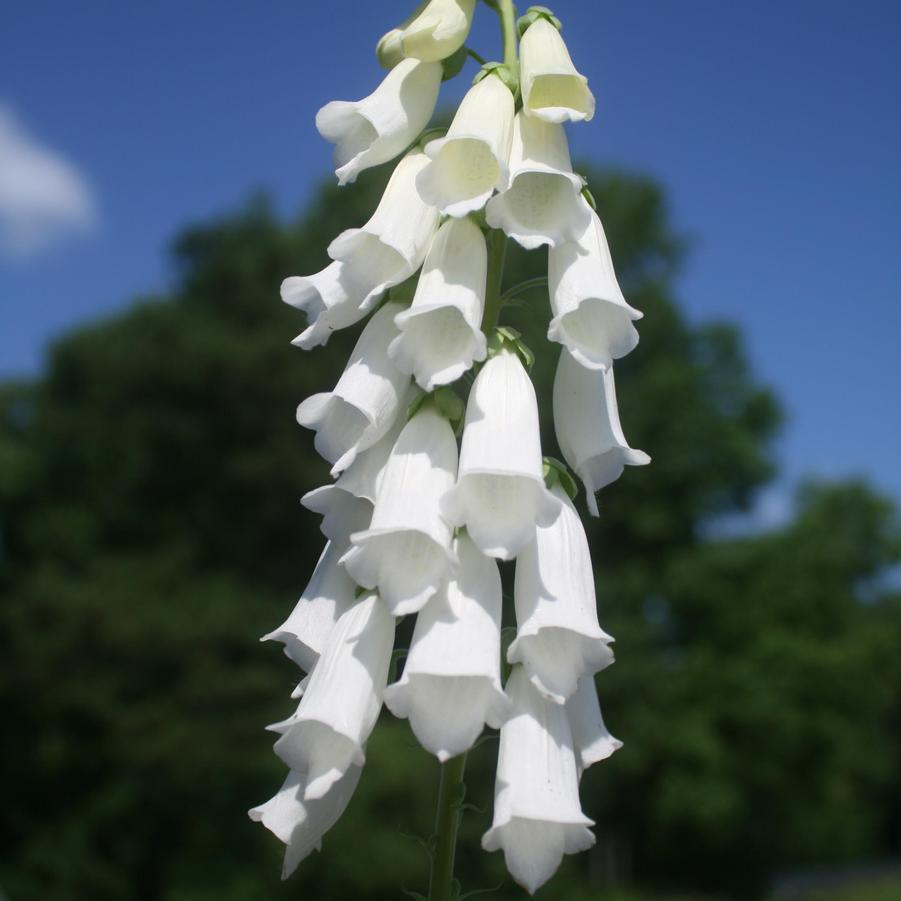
(551, 87)
(440, 334)
(500, 493)
(537, 814)
(435, 31)
(471, 160)
(558, 638)
(391, 246)
(364, 402)
(339, 707)
(329, 594)
(377, 128)
(451, 681)
(346, 504)
(342, 511)
(406, 551)
(586, 420)
(591, 739)
(300, 823)
(591, 316)
(335, 298)
(542, 204)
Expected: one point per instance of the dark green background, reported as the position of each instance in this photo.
(150, 531)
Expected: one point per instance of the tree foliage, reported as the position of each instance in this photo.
(150, 530)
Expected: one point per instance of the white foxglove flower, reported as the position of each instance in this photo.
(339, 707)
(301, 824)
(591, 740)
(591, 316)
(440, 334)
(377, 128)
(537, 814)
(471, 160)
(329, 594)
(551, 87)
(342, 511)
(500, 493)
(435, 31)
(406, 551)
(558, 638)
(542, 204)
(586, 420)
(451, 681)
(335, 298)
(393, 243)
(364, 402)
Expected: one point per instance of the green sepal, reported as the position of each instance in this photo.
(360, 592)
(445, 401)
(503, 72)
(532, 14)
(430, 134)
(454, 63)
(557, 473)
(506, 338)
(448, 404)
(416, 404)
(589, 198)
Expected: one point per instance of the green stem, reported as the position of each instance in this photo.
(497, 250)
(507, 11)
(447, 820)
(538, 282)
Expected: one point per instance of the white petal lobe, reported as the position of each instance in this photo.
(542, 204)
(451, 681)
(406, 551)
(470, 162)
(586, 420)
(440, 335)
(329, 594)
(377, 128)
(328, 732)
(558, 638)
(500, 493)
(552, 89)
(537, 814)
(301, 824)
(591, 316)
(364, 402)
(591, 739)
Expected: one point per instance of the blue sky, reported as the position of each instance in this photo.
(774, 127)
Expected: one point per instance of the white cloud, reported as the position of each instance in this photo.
(43, 197)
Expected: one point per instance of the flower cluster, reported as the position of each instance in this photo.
(416, 523)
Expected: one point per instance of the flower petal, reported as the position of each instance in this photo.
(440, 334)
(471, 160)
(558, 638)
(586, 420)
(377, 128)
(451, 681)
(405, 552)
(328, 732)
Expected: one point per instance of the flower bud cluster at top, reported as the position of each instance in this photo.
(415, 519)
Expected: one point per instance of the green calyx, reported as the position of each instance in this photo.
(589, 198)
(444, 401)
(452, 65)
(430, 134)
(502, 71)
(532, 14)
(557, 473)
(506, 338)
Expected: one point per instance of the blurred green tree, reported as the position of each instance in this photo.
(149, 530)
